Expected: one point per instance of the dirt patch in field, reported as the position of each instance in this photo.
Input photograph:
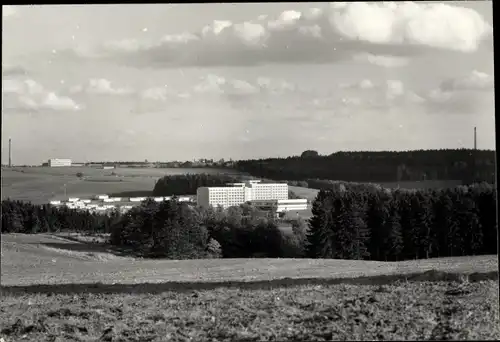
(405, 311)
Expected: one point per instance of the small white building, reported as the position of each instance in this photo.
(73, 199)
(158, 199)
(184, 199)
(101, 197)
(59, 162)
(55, 202)
(116, 199)
(135, 199)
(108, 200)
(167, 198)
(86, 201)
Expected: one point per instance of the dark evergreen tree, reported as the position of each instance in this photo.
(317, 225)
(376, 220)
(392, 241)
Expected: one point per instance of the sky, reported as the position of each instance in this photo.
(185, 81)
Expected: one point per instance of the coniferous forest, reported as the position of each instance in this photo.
(373, 224)
(466, 165)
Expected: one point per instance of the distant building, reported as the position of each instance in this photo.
(239, 193)
(59, 162)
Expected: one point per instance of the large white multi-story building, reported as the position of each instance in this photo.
(239, 193)
(59, 162)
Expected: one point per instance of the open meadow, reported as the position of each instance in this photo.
(43, 184)
(63, 290)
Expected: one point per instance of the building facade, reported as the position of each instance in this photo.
(59, 162)
(238, 193)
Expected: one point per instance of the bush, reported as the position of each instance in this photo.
(214, 248)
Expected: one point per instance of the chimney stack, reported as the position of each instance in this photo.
(475, 139)
(10, 152)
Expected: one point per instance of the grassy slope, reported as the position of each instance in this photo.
(325, 311)
(44, 259)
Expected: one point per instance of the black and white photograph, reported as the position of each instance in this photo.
(249, 171)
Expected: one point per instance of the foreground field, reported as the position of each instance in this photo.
(58, 289)
(404, 311)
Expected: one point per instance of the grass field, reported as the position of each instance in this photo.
(404, 311)
(47, 259)
(42, 184)
(57, 289)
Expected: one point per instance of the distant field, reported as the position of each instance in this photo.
(42, 184)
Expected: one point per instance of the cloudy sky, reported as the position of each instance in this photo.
(166, 82)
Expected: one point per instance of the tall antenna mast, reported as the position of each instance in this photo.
(10, 152)
(475, 139)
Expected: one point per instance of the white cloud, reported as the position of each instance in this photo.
(469, 93)
(380, 60)
(216, 84)
(436, 25)
(155, 93)
(381, 33)
(376, 94)
(363, 84)
(395, 88)
(30, 95)
(100, 86)
(28, 87)
(476, 80)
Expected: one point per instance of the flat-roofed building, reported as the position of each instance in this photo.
(59, 162)
(238, 193)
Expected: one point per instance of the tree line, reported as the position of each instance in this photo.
(187, 184)
(401, 225)
(346, 224)
(27, 218)
(466, 165)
